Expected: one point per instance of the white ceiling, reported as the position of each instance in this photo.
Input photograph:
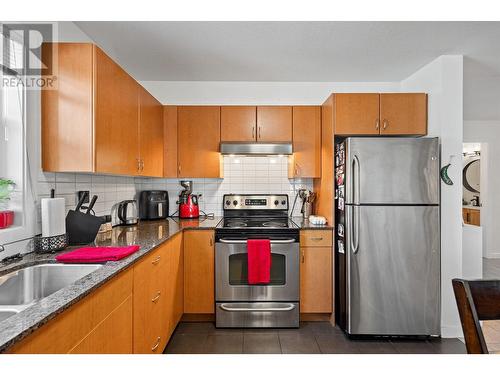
(306, 52)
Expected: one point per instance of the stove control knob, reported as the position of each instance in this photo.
(283, 202)
(276, 202)
(235, 202)
(228, 203)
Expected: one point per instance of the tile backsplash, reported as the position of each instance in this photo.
(241, 175)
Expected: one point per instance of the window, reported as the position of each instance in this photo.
(14, 162)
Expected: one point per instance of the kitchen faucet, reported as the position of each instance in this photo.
(475, 200)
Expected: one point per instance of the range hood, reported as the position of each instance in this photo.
(255, 148)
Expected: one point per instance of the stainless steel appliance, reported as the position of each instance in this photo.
(388, 236)
(153, 204)
(124, 213)
(239, 304)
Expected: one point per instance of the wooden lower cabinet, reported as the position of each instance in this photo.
(111, 336)
(158, 296)
(471, 216)
(316, 272)
(150, 301)
(89, 324)
(199, 273)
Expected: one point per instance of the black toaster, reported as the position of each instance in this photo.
(153, 204)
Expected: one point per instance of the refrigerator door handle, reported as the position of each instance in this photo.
(355, 229)
(356, 176)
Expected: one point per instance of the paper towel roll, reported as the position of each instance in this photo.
(53, 217)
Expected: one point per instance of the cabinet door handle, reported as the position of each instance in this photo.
(211, 241)
(385, 124)
(303, 257)
(179, 169)
(138, 164)
(297, 169)
(260, 132)
(142, 165)
(316, 238)
(253, 132)
(155, 346)
(156, 261)
(155, 299)
(377, 124)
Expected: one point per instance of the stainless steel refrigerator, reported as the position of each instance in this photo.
(388, 236)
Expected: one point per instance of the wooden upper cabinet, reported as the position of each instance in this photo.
(98, 119)
(67, 118)
(274, 124)
(403, 114)
(357, 114)
(306, 160)
(198, 132)
(150, 135)
(238, 123)
(116, 114)
(170, 164)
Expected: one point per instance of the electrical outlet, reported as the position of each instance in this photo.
(87, 195)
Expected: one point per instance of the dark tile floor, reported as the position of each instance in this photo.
(310, 338)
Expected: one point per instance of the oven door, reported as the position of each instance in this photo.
(231, 265)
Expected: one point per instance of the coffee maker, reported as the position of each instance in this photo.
(188, 202)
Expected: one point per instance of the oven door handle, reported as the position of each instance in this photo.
(291, 240)
(286, 307)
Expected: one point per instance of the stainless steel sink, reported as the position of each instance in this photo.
(20, 289)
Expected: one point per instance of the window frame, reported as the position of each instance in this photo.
(28, 228)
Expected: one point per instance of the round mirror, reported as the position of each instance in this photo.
(471, 176)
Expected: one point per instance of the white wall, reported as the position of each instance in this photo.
(442, 79)
(253, 93)
(488, 134)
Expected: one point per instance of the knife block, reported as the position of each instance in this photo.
(82, 228)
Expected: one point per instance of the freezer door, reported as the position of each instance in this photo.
(393, 266)
(392, 170)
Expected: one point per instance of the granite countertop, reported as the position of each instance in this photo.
(147, 234)
(305, 224)
(472, 207)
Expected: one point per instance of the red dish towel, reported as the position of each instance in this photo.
(259, 261)
(97, 254)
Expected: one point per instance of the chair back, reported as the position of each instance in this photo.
(476, 300)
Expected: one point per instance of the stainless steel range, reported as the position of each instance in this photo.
(239, 304)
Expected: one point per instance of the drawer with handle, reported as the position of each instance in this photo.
(311, 238)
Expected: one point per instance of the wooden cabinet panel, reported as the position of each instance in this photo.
(357, 114)
(116, 111)
(150, 301)
(170, 141)
(324, 186)
(68, 148)
(316, 237)
(471, 216)
(175, 284)
(199, 289)
(112, 336)
(238, 123)
(198, 130)
(403, 114)
(316, 288)
(306, 159)
(274, 124)
(150, 135)
(64, 332)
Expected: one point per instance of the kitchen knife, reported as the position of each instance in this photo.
(80, 202)
(92, 203)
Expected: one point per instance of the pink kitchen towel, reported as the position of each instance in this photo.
(97, 254)
(259, 261)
